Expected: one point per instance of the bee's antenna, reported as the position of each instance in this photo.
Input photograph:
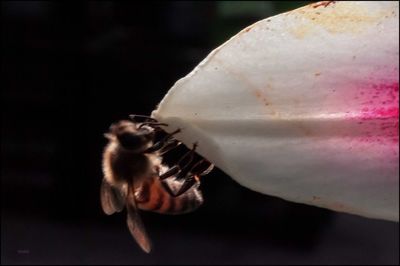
(133, 117)
(152, 124)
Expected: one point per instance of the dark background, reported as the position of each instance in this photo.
(71, 69)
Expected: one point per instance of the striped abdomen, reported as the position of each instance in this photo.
(151, 196)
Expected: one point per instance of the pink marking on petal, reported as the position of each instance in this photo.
(378, 118)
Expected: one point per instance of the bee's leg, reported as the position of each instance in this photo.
(171, 172)
(167, 140)
(189, 155)
(189, 182)
(167, 188)
(170, 145)
(180, 166)
(201, 168)
(179, 171)
(184, 163)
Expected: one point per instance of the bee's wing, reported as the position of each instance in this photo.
(112, 199)
(135, 224)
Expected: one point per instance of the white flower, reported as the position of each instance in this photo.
(303, 106)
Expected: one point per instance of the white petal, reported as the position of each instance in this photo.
(303, 106)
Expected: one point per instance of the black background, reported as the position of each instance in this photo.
(71, 69)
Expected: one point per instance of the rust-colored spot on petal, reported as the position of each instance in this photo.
(339, 18)
(323, 4)
(260, 95)
(249, 28)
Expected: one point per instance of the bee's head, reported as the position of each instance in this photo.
(132, 137)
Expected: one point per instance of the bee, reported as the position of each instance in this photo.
(136, 178)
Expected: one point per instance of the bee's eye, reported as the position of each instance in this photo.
(130, 141)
